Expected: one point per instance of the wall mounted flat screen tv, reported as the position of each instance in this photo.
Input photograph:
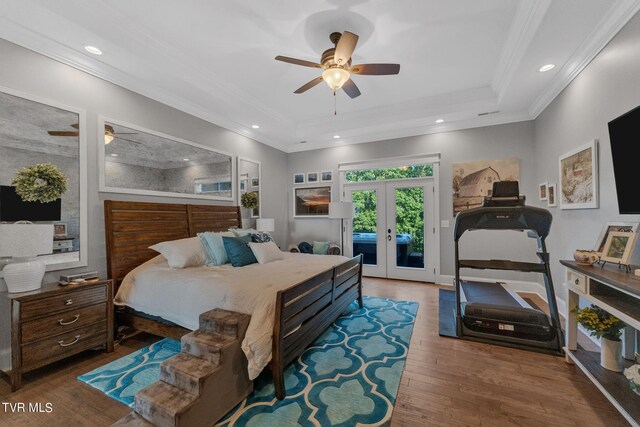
(624, 133)
(13, 208)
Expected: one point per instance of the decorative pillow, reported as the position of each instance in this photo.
(240, 232)
(214, 247)
(261, 237)
(182, 252)
(266, 252)
(320, 248)
(305, 248)
(238, 250)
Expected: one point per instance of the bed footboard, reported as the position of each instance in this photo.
(305, 310)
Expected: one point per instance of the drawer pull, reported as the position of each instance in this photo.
(63, 344)
(68, 302)
(63, 323)
(577, 282)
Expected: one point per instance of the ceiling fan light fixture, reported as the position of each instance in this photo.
(107, 138)
(335, 77)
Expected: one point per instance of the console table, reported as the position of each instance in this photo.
(618, 293)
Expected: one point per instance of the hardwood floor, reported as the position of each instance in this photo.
(446, 382)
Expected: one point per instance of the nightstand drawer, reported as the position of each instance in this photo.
(577, 282)
(49, 350)
(62, 322)
(65, 301)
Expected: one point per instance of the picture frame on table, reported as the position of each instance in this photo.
(326, 176)
(298, 178)
(619, 247)
(313, 177)
(578, 185)
(613, 227)
(59, 230)
(551, 195)
(542, 191)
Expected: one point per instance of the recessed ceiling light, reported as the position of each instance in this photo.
(336, 136)
(114, 155)
(546, 68)
(186, 160)
(92, 49)
(439, 120)
(255, 126)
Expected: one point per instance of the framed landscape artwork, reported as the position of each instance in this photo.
(613, 227)
(311, 201)
(326, 176)
(312, 177)
(551, 195)
(618, 247)
(542, 191)
(579, 178)
(298, 178)
(474, 180)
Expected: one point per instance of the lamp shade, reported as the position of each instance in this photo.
(265, 224)
(341, 210)
(25, 240)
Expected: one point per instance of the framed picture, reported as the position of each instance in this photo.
(312, 177)
(613, 227)
(326, 176)
(551, 195)
(298, 178)
(579, 177)
(243, 185)
(311, 201)
(255, 212)
(59, 230)
(618, 247)
(255, 182)
(542, 191)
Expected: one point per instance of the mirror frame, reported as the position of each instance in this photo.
(82, 181)
(240, 158)
(102, 185)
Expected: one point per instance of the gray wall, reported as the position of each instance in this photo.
(493, 142)
(35, 74)
(607, 88)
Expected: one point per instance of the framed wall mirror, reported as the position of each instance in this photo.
(135, 160)
(249, 180)
(35, 131)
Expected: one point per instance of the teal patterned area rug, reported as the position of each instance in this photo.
(349, 375)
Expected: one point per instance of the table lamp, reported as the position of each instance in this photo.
(24, 242)
(341, 211)
(265, 224)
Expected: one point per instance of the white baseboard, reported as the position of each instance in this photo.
(514, 285)
(5, 359)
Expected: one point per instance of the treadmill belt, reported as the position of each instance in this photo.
(488, 293)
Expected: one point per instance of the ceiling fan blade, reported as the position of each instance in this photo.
(75, 126)
(375, 69)
(309, 85)
(62, 133)
(125, 139)
(125, 133)
(345, 47)
(298, 61)
(351, 89)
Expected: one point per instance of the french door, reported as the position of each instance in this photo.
(393, 228)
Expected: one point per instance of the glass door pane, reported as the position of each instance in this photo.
(410, 227)
(365, 225)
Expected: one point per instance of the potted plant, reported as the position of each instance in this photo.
(608, 328)
(249, 200)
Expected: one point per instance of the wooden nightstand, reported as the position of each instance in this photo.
(55, 322)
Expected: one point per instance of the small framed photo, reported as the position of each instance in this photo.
(542, 191)
(298, 178)
(551, 195)
(611, 227)
(312, 177)
(578, 182)
(243, 185)
(326, 176)
(618, 247)
(255, 182)
(59, 230)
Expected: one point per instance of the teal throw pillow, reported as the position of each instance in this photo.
(320, 248)
(238, 250)
(214, 247)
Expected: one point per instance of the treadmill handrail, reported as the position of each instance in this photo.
(518, 218)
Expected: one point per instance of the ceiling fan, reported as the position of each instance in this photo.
(336, 63)
(109, 134)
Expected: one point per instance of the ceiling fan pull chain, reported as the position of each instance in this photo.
(335, 107)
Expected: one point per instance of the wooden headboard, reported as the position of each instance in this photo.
(131, 227)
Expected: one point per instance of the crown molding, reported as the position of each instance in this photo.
(523, 29)
(610, 24)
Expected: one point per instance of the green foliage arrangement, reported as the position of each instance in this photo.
(599, 323)
(42, 182)
(249, 200)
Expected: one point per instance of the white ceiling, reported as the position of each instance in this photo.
(215, 59)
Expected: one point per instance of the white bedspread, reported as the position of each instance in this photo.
(180, 295)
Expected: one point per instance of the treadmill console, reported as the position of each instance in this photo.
(504, 194)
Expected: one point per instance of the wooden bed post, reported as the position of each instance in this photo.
(360, 283)
(277, 357)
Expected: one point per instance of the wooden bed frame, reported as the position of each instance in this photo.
(303, 311)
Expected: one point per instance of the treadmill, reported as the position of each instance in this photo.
(489, 311)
